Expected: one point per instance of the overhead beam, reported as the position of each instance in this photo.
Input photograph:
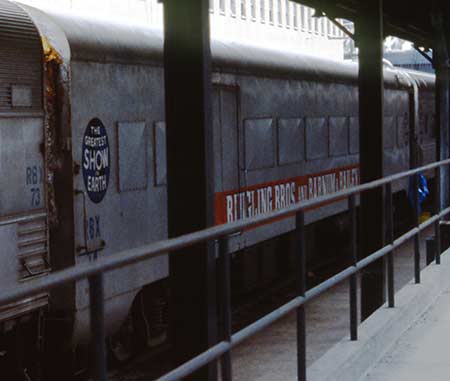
(424, 54)
(187, 68)
(370, 37)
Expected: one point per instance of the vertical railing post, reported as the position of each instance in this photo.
(416, 211)
(225, 306)
(97, 317)
(437, 210)
(301, 289)
(353, 278)
(390, 240)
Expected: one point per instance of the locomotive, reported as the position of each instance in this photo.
(83, 160)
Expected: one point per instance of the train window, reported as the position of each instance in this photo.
(222, 6)
(389, 131)
(132, 156)
(317, 135)
(291, 141)
(354, 134)
(259, 144)
(159, 153)
(339, 136)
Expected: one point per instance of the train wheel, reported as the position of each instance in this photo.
(150, 316)
(146, 325)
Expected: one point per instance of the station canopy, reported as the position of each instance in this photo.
(407, 19)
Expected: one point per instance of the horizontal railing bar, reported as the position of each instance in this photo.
(201, 360)
(155, 249)
(245, 333)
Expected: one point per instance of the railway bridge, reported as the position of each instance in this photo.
(202, 334)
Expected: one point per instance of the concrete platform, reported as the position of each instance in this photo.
(392, 335)
(271, 355)
(422, 352)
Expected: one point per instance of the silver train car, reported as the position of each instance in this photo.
(83, 152)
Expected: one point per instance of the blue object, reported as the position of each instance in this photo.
(422, 190)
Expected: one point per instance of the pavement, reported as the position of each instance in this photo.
(271, 355)
(409, 342)
(422, 352)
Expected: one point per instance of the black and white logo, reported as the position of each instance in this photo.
(96, 160)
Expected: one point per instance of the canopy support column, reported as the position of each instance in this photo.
(369, 33)
(187, 60)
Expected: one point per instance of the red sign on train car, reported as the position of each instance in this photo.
(254, 200)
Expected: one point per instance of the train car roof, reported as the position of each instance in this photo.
(95, 39)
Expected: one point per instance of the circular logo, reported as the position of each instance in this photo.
(96, 160)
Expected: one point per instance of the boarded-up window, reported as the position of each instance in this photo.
(291, 141)
(132, 143)
(339, 140)
(259, 144)
(316, 138)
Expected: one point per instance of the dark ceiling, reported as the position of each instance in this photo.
(407, 19)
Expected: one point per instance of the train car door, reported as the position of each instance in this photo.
(227, 152)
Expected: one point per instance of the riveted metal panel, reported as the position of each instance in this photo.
(291, 141)
(132, 156)
(390, 131)
(317, 135)
(354, 134)
(160, 154)
(339, 140)
(20, 60)
(259, 144)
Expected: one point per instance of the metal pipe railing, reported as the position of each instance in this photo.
(159, 248)
(202, 359)
(94, 272)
